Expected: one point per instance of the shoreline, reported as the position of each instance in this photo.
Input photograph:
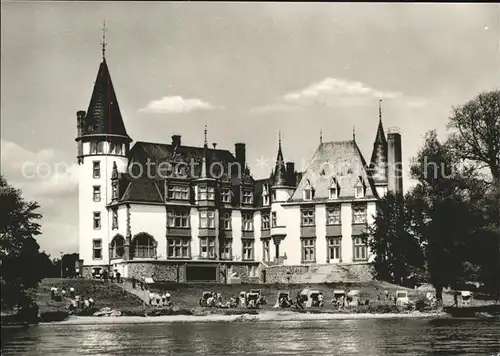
(263, 316)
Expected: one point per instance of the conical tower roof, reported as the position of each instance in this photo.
(379, 154)
(103, 114)
(280, 174)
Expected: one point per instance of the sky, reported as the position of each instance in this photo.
(247, 70)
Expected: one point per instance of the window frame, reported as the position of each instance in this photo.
(96, 169)
(114, 223)
(265, 221)
(97, 248)
(248, 245)
(266, 249)
(177, 192)
(312, 218)
(207, 242)
(330, 221)
(178, 244)
(96, 220)
(96, 193)
(331, 246)
(359, 246)
(308, 245)
(174, 214)
(355, 215)
(247, 197)
(247, 218)
(225, 195)
(226, 220)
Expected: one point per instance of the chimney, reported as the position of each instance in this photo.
(176, 140)
(394, 162)
(80, 121)
(290, 171)
(215, 145)
(240, 155)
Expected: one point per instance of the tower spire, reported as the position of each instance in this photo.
(103, 43)
(279, 140)
(320, 136)
(353, 133)
(205, 133)
(380, 109)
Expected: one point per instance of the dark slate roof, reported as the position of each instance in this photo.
(280, 173)
(103, 114)
(379, 156)
(158, 153)
(143, 189)
(340, 160)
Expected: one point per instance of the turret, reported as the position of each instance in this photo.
(378, 166)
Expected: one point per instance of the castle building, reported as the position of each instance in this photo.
(174, 212)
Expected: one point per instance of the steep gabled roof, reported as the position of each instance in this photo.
(144, 190)
(340, 160)
(103, 114)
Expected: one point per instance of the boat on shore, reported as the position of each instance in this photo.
(470, 312)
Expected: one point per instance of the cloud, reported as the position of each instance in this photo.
(177, 105)
(277, 107)
(332, 88)
(38, 174)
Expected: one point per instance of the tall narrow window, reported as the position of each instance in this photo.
(226, 221)
(334, 189)
(112, 148)
(333, 215)
(308, 217)
(308, 250)
(115, 219)
(248, 250)
(207, 247)
(226, 252)
(114, 190)
(100, 147)
(96, 169)
(211, 193)
(97, 220)
(97, 249)
(359, 189)
(97, 193)
(247, 221)
(265, 221)
(360, 248)
(274, 220)
(226, 195)
(334, 244)
(119, 149)
(266, 255)
(93, 147)
(308, 191)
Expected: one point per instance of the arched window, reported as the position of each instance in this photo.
(117, 249)
(143, 246)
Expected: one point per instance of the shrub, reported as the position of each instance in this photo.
(57, 315)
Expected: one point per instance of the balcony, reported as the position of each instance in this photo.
(278, 231)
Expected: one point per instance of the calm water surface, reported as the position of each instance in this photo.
(332, 337)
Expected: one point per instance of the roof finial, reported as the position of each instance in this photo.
(103, 40)
(320, 136)
(206, 142)
(279, 139)
(353, 133)
(380, 109)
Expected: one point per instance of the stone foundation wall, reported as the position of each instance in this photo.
(159, 271)
(243, 272)
(87, 270)
(280, 274)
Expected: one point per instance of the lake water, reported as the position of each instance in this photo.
(333, 337)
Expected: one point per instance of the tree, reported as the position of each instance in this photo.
(18, 248)
(399, 253)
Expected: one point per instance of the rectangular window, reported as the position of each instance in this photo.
(97, 220)
(97, 249)
(115, 219)
(100, 147)
(248, 250)
(359, 191)
(96, 169)
(119, 149)
(226, 221)
(334, 251)
(308, 250)
(226, 251)
(275, 219)
(112, 148)
(307, 194)
(265, 199)
(333, 216)
(207, 219)
(114, 190)
(97, 193)
(308, 217)
(266, 252)
(333, 192)
(202, 192)
(211, 193)
(179, 248)
(93, 147)
(265, 222)
(359, 214)
(226, 195)
(178, 192)
(207, 247)
(247, 221)
(178, 218)
(360, 248)
(247, 197)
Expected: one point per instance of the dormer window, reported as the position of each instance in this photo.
(225, 195)
(308, 191)
(334, 189)
(265, 195)
(247, 197)
(359, 189)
